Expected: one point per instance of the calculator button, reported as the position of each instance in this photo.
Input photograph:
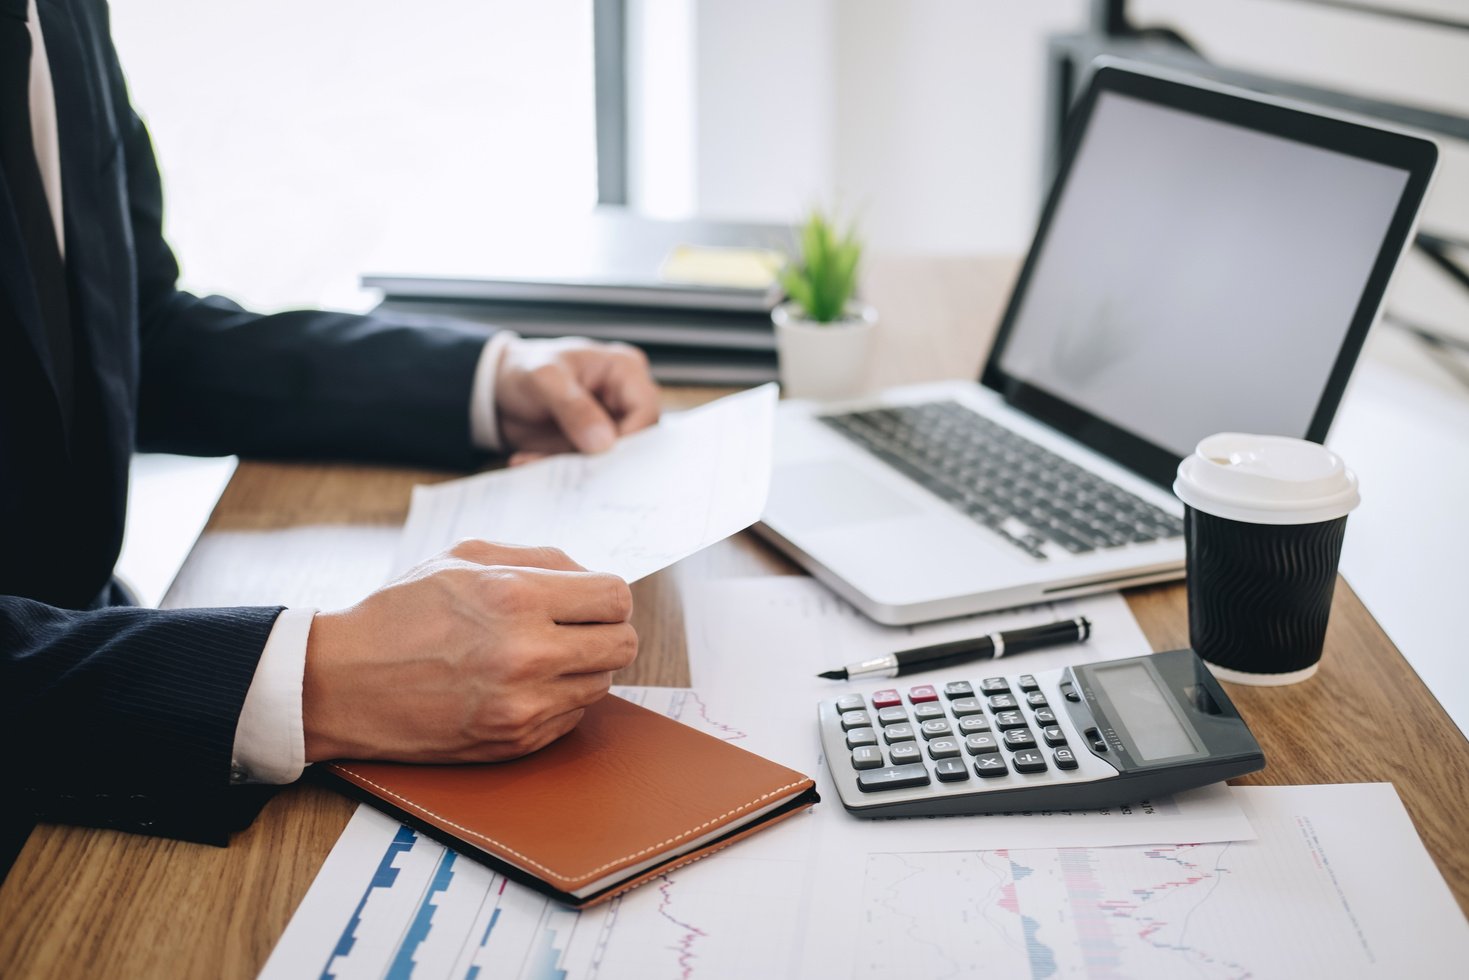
(958, 689)
(855, 719)
(1009, 719)
(1095, 737)
(861, 736)
(1065, 758)
(1068, 692)
(866, 757)
(921, 693)
(928, 710)
(991, 765)
(1027, 683)
(936, 728)
(972, 724)
(980, 744)
(899, 733)
(1036, 699)
(1045, 716)
(892, 716)
(943, 748)
(893, 777)
(966, 706)
(950, 770)
(886, 698)
(904, 752)
(995, 685)
(1028, 761)
(851, 702)
(1054, 735)
(1003, 702)
(1019, 738)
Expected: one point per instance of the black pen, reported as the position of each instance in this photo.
(990, 647)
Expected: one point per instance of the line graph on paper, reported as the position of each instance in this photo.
(1213, 911)
(390, 903)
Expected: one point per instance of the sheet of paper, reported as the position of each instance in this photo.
(326, 566)
(756, 645)
(391, 903)
(657, 496)
(1337, 885)
(170, 499)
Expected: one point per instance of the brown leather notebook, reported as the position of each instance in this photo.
(626, 796)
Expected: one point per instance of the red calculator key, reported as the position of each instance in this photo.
(886, 698)
(921, 693)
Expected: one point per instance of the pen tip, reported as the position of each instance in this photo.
(834, 675)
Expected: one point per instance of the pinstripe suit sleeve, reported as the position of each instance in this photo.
(126, 717)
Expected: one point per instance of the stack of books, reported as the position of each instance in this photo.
(696, 296)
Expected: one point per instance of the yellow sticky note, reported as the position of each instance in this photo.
(725, 266)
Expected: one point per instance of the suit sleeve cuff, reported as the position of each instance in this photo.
(270, 743)
(484, 426)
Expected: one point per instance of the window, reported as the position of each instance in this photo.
(304, 143)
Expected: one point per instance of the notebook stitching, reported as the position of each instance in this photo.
(556, 874)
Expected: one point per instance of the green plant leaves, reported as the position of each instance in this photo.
(824, 279)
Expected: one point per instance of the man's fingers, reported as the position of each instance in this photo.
(584, 421)
(638, 397)
(493, 553)
(531, 456)
(593, 650)
(583, 690)
(584, 597)
(630, 390)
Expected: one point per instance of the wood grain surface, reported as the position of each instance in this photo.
(96, 903)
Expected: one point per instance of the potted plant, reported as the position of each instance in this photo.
(823, 335)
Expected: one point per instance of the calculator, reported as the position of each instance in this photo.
(1101, 734)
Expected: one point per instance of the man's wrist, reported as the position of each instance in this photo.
(269, 737)
(484, 423)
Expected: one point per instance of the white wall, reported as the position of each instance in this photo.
(940, 119)
(925, 116)
(922, 118)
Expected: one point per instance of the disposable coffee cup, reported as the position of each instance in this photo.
(1264, 518)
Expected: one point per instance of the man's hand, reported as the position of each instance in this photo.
(483, 653)
(553, 396)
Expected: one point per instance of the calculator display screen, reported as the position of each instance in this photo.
(1144, 709)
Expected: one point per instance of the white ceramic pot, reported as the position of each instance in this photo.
(823, 360)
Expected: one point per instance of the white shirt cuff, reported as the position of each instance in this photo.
(270, 742)
(484, 427)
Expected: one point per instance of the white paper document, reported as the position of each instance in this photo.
(657, 496)
(1337, 885)
(755, 646)
(325, 566)
(170, 499)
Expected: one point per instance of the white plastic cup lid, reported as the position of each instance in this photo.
(1266, 480)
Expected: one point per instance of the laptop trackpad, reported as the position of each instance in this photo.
(819, 495)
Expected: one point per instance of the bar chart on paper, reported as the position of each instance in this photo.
(1305, 899)
(391, 903)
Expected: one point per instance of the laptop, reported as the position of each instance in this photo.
(1207, 260)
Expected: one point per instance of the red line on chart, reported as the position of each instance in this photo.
(732, 734)
(685, 946)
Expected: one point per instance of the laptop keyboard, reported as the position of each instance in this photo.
(1040, 502)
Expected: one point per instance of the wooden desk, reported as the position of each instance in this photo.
(82, 902)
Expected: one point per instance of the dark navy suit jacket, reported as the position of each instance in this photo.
(125, 717)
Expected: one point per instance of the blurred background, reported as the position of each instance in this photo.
(304, 143)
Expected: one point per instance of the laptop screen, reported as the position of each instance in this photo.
(1196, 273)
